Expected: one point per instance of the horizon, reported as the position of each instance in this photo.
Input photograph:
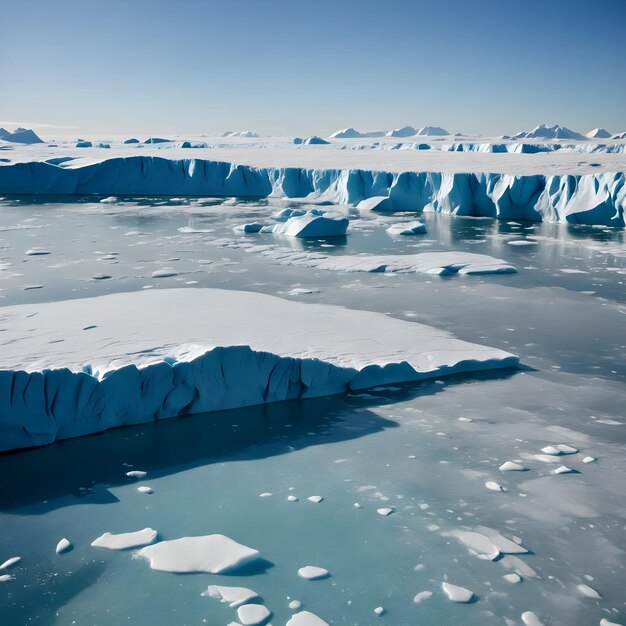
(286, 69)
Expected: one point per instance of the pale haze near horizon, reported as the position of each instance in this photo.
(287, 67)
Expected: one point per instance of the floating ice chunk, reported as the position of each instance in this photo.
(456, 593)
(375, 203)
(407, 229)
(37, 252)
(477, 542)
(589, 592)
(145, 489)
(292, 498)
(295, 604)
(563, 469)
(589, 459)
(136, 474)
(312, 572)
(494, 486)
(31, 287)
(253, 614)
(530, 619)
(5, 578)
(213, 554)
(421, 596)
(379, 610)
(315, 499)
(312, 225)
(101, 276)
(253, 227)
(265, 494)
(12, 561)
(520, 567)
(565, 449)
(522, 242)
(512, 578)
(123, 541)
(506, 546)
(605, 622)
(166, 272)
(546, 458)
(305, 618)
(552, 450)
(511, 466)
(385, 511)
(285, 214)
(63, 546)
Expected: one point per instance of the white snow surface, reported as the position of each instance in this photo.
(213, 554)
(233, 596)
(306, 618)
(123, 541)
(215, 349)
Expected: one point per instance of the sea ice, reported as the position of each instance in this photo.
(313, 225)
(408, 228)
(145, 489)
(588, 592)
(512, 578)
(123, 541)
(494, 486)
(511, 466)
(477, 542)
(456, 593)
(312, 572)
(63, 546)
(214, 554)
(136, 474)
(9, 562)
(305, 618)
(530, 619)
(253, 614)
(589, 459)
(233, 596)
(315, 499)
(5, 578)
(385, 511)
(563, 469)
(421, 596)
(253, 227)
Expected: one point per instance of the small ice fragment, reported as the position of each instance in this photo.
(465, 419)
(477, 542)
(312, 572)
(37, 252)
(265, 494)
(530, 619)
(295, 604)
(305, 618)
(136, 474)
(456, 593)
(589, 459)
(551, 450)
(31, 287)
(605, 622)
(63, 546)
(563, 470)
(101, 276)
(512, 578)
(292, 498)
(233, 596)
(588, 591)
(511, 466)
(248, 228)
(5, 578)
(253, 614)
(357, 505)
(166, 272)
(408, 228)
(379, 610)
(385, 511)
(494, 486)
(565, 449)
(122, 541)
(145, 489)
(422, 595)
(213, 554)
(12, 561)
(315, 499)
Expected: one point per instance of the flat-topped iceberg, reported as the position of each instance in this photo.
(586, 198)
(215, 349)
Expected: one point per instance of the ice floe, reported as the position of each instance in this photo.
(213, 554)
(133, 369)
(124, 541)
(63, 546)
(233, 596)
(14, 560)
(253, 614)
(408, 228)
(305, 618)
(511, 466)
(456, 593)
(313, 572)
(588, 592)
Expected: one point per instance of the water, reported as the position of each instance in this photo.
(207, 471)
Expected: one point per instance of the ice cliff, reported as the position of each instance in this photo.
(588, 198)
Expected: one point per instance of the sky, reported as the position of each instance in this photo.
(311, 66)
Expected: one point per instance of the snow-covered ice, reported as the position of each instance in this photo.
(124, 541)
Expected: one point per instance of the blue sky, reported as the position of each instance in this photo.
(312, 66)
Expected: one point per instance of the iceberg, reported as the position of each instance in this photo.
(405, 131)
(313, 225)
(209, 353)
(351, 133)
(598, 133)
(20, 135)
(315, 141)
(432, 131)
